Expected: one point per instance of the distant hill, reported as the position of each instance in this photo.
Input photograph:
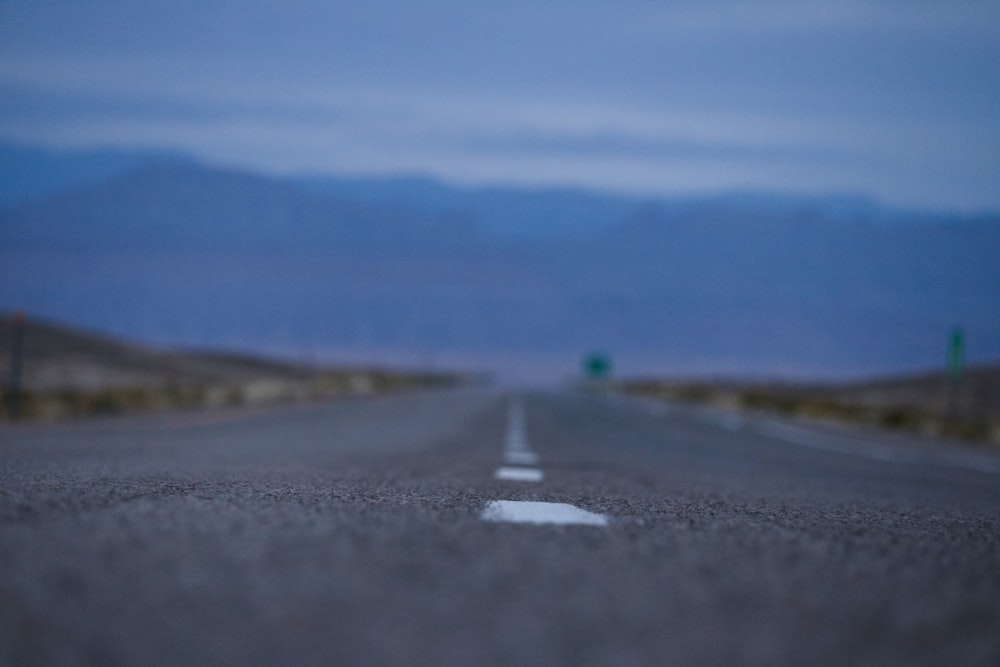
(68, 372)
(57, 357)
(188, 208)
(522, 213)
(739, 284)
(29, 172)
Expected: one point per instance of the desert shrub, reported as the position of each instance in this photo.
(104, 403)
(764, 400)
(29, 405)
(235, 396)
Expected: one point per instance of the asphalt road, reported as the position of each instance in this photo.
(368, 532)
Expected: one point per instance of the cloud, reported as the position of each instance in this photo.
(898, 98)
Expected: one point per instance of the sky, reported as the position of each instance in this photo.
(897, 99)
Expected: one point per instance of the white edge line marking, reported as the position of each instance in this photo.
(523, 511)
(865, 449)
(838, 444)
(519, 474)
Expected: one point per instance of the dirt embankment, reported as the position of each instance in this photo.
(68, 373)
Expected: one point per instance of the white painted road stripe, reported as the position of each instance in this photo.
(519, 474)
(516, 451)
(871, 450)
(517, 437)
(522, 511)
(848, 445)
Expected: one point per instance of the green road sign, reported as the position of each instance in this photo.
(597, 366)
(956, 353)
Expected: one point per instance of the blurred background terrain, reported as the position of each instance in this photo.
(523, 281)
(781, 192)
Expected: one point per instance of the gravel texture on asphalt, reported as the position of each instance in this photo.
(349, 533)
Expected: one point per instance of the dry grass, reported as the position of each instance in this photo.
(927, 404)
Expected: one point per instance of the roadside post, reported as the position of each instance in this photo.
(956, 364)
(16, 363)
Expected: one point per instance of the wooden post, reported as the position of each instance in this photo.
(16, 364)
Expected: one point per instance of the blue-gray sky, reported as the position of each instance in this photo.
(897, 98)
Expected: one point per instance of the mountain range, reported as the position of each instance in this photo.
(405, 269)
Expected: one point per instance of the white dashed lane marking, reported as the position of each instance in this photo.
(522, 511)
(516, 452)
(518, 474)
(516, 440)
(520, 459)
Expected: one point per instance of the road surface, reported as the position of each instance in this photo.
(479, 527)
